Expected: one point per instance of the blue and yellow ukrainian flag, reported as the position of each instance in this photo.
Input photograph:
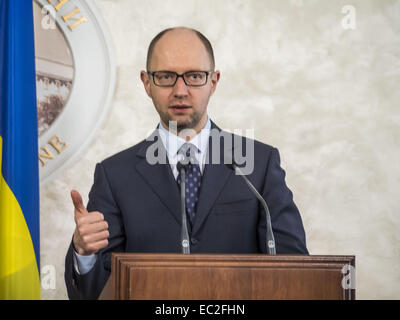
(19, 184)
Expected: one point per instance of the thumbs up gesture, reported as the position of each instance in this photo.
(91, 232)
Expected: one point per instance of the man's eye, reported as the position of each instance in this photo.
(164, 76)
(196, 76)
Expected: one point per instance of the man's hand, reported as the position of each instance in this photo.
(91, 232)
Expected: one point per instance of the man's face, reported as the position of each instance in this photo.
(180, 51)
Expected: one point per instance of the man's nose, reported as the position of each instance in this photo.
(180, 88)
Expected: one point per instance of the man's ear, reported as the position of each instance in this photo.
(145, 77)
(214, 80)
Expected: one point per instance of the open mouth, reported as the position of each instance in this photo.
(180, 108)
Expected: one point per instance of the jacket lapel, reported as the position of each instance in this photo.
(160, 177)
(213, 181)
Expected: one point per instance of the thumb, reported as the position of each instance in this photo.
(78, 202)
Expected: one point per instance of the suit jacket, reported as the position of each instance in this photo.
(141, 203)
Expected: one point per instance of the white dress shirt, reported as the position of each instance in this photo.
(172, 143)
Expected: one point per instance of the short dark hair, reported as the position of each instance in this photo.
(203, 39)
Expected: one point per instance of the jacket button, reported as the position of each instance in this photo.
(194, 241)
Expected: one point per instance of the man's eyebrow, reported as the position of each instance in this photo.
(190, 70)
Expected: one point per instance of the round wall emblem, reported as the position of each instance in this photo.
(75, 79)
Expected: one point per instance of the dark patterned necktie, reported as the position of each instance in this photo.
(192, 178)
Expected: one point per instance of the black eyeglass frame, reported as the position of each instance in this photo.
(152, 73)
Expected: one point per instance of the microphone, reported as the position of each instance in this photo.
(269, 232)
(184, 232)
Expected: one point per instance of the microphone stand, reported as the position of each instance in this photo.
(184, 232)
(269, 232)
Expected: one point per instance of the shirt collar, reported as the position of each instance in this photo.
(173, 143)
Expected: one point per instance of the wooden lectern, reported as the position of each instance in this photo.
(229, 277)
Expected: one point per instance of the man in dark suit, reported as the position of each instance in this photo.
(134, 203)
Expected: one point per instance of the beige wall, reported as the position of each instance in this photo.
(327, 97)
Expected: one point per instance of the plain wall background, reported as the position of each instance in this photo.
(326, 97)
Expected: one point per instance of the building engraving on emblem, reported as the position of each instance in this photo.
(54, 72)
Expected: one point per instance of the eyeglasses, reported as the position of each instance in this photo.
(169, 78)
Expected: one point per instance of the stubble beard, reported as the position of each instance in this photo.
(190, 122)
